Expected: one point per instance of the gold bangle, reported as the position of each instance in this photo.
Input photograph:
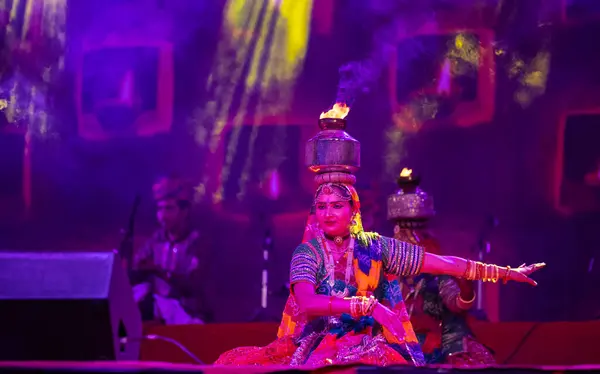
(467, 270)
(371, 302)
(506, 275)
(463, 304)
(357, 306)
(364, 304)
(375, 302)
(352, 307)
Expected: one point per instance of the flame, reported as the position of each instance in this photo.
(339, 110)
(406, 173)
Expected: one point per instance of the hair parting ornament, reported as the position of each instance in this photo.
(339, 190)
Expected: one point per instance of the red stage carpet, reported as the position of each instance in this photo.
(514, 343)
(159, 367)
(526, 347)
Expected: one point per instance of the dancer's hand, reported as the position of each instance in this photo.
(521, 274)
(390, 320)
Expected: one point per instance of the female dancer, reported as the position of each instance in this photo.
(345, 304)
(437, 305)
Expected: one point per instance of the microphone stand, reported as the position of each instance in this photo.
(264, 288)
(484, 248)
(262, 314)
(126, 246)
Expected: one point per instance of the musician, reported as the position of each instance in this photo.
(170, 272)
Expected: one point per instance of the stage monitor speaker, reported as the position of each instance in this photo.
(67, 306)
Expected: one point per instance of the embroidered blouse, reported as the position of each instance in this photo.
(398, 258)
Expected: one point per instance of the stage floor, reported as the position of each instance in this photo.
(526, 344)
(161, 367)
(520, 347)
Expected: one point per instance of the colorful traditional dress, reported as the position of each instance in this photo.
(440, 324)
(374, 269)
(451, 340)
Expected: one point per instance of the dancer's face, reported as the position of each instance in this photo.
(333, 214)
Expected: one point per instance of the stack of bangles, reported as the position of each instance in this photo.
(486, 272)
(362, 306)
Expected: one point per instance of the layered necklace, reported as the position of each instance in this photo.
(330, 262)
